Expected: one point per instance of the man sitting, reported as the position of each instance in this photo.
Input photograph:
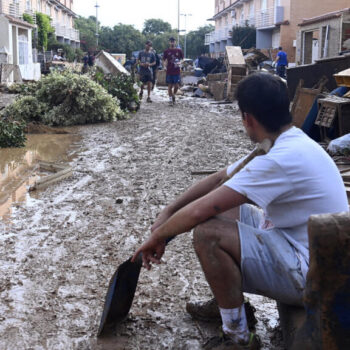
(250, 234)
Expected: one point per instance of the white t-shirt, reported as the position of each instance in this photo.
(296, 179)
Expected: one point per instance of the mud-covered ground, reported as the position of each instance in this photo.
(59, 251)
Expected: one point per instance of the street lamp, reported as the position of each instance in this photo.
(178, 22)
(185, 15)
(97, 6)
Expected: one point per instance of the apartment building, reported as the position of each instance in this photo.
(60, 12)
(276, 21)
(16, 52)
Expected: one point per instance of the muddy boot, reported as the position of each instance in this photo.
(174, 100)
(209, 311)
(223, 342)
(149, 100)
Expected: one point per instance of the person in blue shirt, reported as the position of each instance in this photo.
(281, 62)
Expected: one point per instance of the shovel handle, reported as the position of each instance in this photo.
(261, 149)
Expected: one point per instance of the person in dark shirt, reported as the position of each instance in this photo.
(91, 59)
(155, 68)
(172, 58)
(146, 61)
(282, 62)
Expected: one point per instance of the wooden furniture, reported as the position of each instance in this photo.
(334, 112)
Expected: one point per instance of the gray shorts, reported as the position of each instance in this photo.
(270, 265)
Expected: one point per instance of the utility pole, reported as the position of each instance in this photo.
(178, 22)
(97, 6)
(185, 48)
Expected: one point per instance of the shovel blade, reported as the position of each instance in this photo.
(120, 295)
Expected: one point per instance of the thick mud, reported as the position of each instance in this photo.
(59, 251)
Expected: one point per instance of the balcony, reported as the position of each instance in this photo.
(66, 32)
(12, 8)
(218, 35)
(269, 17)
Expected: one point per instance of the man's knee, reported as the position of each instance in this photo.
(204, 236)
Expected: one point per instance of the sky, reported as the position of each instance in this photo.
(135, 12)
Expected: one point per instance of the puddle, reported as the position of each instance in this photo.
(18, 166)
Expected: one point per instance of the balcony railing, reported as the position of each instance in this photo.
(66, 32)
(269, 17)
(218, 35)
(12, 8)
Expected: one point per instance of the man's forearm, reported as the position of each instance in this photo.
(198, 190)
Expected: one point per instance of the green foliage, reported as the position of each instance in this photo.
(25, 108)
(28, 18)
(244, 37)
(161, 41)
(87, 29)
(25, 89)
(44, 29)
(195, 41)
(71, 54)
(66, 99)
(156, 27)
(73, 99)
(122, 87)
(11, 133)
(121, 38)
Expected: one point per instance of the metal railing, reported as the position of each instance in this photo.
(218, 35)
(66, 32)
(12, 8)
(269, 17)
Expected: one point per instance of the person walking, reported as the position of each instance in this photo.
(250, 234)
(281, 62)
(171, 61)
(155, 68)
(146, 61)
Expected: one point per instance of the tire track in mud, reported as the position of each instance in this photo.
(65, 246)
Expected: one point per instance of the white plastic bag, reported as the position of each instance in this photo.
(340, 145)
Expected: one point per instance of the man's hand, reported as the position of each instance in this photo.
(152, 251)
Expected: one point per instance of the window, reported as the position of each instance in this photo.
(263, 5)
(23, 46)
(38, 6)
(28, 5)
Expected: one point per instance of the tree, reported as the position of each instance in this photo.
(156, 27)
(122, 38)
(244, 37)
(195, 41)
(87, 29)
(44, 30)
(161, 41)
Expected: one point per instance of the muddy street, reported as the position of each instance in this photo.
(59, 250)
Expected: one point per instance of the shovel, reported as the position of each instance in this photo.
(122, 286)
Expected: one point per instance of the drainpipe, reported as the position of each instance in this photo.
(326, 42)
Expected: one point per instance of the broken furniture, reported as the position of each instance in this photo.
(304, 99)
(236, 68)
(343, 78)
(109, 64)
(333, 112)
(60, 173)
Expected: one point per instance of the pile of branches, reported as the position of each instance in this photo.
(64, 99)
(121, 87)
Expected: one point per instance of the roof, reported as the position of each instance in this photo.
(324, 17)
(19, 22)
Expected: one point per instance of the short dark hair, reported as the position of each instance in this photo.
(280, 48)
(172, 39)
(266, 98)
(149, 42)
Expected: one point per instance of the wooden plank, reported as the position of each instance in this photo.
(60, 173)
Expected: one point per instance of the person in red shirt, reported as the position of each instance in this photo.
(172, 58)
